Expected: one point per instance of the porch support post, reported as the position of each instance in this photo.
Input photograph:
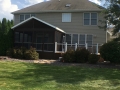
(97, 48)
(86, 45)
(75, 46)
(55, 47)
(66, 47)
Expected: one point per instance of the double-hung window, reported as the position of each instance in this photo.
(66, 17)
(90, 18)
(25, 16)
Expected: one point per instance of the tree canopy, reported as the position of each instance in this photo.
(112, 13)
(6, 35)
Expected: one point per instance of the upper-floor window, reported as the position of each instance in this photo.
(25, 16)
(90, 18)
(66, 17)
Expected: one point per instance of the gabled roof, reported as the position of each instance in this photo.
(60, 6)
(39, 21)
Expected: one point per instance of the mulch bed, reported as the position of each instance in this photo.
(58, 63)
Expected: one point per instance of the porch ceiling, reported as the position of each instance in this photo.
(29, 19)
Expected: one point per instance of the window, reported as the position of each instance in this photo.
(89, 40)
(66, 17)
(75, 38)
(25, 16)
(90, 18)
(21, 18)
(80, 39)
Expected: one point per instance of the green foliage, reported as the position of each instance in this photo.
(112, 13)
(69, 56)
(16, 52)
(111, 52)
(31, 54)
(0, 26)
(93, 58)
(6, 36)
(81, 55)
(23, 53)
(117, 39)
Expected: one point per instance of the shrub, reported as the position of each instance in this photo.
(93, 58)
(31, 54)
(9, 52)
(111, 52)
(68, 56)
(16, 52)
(23, 53)
(81, 55)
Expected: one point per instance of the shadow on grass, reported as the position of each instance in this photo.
(38, 75)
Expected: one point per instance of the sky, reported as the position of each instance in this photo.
(8, 6)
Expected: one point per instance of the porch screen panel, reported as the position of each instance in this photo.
(16, 37)
(27, 39)
(48, 42)
(68, 38)
(21, 37)
(39, 41)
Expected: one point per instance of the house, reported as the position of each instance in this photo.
(110, 35)
(47, 24)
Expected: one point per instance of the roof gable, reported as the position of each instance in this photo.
(39, 21)
(60, 5)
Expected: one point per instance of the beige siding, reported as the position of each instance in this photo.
(75, 26)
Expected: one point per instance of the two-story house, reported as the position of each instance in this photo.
(71, 21)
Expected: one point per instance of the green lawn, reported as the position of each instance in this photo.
(28, 76)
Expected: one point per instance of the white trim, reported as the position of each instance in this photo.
(39, 21)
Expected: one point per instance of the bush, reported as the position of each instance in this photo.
(16, 52)
(23, 53)
(111, 52)
(81, 55)
(9, 52)
(93, 58)
(31, 54)
(68, 56)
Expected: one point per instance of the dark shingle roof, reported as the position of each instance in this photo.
(59, 6)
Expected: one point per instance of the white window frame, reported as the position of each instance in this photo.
(90, 19)
(66, 15)
(24, 16)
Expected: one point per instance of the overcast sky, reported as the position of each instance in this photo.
(8, 6)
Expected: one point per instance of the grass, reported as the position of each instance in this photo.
(28, 76)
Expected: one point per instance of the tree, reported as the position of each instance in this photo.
(112, 13)
(4, 26)
(6, 35)
(0, 26)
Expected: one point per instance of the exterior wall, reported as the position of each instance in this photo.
(75, 26)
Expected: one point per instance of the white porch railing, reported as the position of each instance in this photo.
(63, 47)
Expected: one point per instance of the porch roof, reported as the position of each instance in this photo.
(39, 21)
